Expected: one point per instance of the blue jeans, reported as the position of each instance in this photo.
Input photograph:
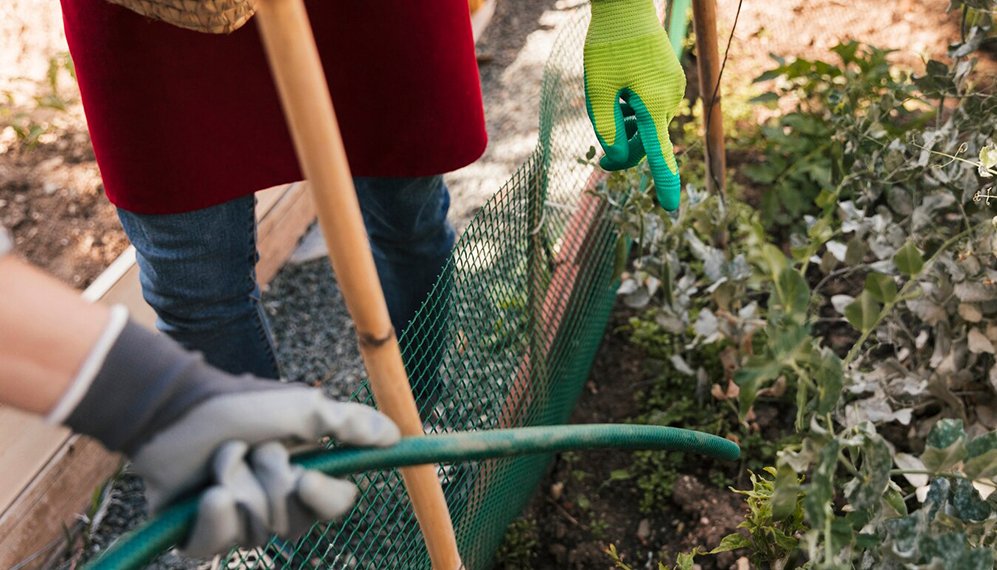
(198, 269)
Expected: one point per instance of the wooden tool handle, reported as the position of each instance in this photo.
(704, 16)
(297, 71)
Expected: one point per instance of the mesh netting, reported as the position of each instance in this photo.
(506, 339)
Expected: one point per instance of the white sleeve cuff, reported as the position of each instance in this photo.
(91, 366)
(6, 243)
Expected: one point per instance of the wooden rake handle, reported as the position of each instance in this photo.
(297, 71)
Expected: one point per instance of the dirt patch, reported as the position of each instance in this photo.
(588, 500)
(917, 29)
(52, 200)
(51, 196)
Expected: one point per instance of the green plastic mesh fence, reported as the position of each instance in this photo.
(506, 339)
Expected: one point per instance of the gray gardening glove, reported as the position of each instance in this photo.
(186, 425)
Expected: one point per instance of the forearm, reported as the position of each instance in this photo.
(46, 333)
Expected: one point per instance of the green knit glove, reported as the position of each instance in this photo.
(629, 64)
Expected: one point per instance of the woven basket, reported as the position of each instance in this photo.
(210, 16)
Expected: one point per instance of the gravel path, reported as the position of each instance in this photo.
(511, 55)
(312, 330)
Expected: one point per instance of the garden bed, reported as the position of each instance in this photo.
(590, 500)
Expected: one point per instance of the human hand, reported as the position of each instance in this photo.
(187, 425)
(632, 71)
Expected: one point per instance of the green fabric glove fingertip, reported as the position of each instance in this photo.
(635, 146)
(629, 64)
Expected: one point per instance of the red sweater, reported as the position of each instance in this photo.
(182, 120)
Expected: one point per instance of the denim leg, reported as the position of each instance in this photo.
(198, 271)
(406, 220)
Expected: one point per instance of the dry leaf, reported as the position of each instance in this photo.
(970, 312)
(978, 342)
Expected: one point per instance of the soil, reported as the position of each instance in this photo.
(576, 517)
(52, 200)
(51, 195)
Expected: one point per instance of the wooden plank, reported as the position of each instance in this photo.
(26, 444)
(48, 475)
(265, 199)
(278, 232)
(34, 524)
(127, 291)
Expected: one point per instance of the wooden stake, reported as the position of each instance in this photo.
(704, 14)
(304, 93)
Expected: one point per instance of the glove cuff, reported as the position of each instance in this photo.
(91, 366)
(616, 20)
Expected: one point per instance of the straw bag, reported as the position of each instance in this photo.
(210, 16)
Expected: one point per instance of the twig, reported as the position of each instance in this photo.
(564, 512)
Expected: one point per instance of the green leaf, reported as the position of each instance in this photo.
(881, 287)
(764, 173)
(768, 97)
(774, 260)
(938, 494)
(770, 74)
(820, 491)
(583, 502)
(830, 381)
(866, 541)
(842, 532)
(895, 499)
(785, 498)
(821, 231)
(947, 548)
(874, 474)
(902, 533)
(731, 542)
(909, 260)
(846, 51)
(826, 198)
(794, 294)
(685, 560)
(619, 475)
(945, 432)
(856, 251)
(750, 379)
(967, 503)
(802, 397)
(863, 312)
(982, 466)
(621, 256)
(940, 459)
(976, 559)
(936, 79)
(982, 444)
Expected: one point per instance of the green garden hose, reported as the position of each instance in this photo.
(137, 548)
